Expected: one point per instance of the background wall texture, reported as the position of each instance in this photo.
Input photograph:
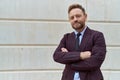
(30, 30)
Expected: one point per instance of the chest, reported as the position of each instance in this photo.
(86, 43)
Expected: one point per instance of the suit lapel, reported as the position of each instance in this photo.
(73, 40)
(85, 39)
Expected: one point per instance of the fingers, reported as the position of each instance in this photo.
(85, 55)
(64, 50)
(88, 53)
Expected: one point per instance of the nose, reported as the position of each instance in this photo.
(75, 18)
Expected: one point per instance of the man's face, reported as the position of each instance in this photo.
(77, 19)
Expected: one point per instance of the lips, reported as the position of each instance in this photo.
(77, 24)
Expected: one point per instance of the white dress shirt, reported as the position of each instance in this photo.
(77, 75)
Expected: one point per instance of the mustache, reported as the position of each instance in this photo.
(78, 23)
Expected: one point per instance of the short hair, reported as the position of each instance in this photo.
(73, 6)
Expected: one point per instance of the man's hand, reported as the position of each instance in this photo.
(64, 50)
(85, 55)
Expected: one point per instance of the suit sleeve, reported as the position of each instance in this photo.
(65, 57)
(97, 57)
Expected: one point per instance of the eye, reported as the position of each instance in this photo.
(78, 16)
(71, 17)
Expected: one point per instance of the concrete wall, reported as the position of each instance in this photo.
(30, 30)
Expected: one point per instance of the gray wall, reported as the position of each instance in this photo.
(30, 30)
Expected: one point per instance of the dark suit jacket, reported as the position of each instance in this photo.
(89, 69)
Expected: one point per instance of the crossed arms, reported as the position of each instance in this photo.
(82, 61)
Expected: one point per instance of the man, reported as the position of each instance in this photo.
(82, 51)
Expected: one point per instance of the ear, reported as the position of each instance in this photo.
(85, 16)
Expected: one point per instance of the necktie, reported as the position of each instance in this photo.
(77, 42)
(77, 48)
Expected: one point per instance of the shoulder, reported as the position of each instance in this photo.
(95, 32)
(67, 37)
(97, 35)
(69, 34)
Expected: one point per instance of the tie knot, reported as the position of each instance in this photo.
(78, 34)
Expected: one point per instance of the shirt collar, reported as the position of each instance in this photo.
(81, 32)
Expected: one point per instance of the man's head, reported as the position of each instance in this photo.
(77, 16)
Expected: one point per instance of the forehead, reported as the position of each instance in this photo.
(76, 11)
